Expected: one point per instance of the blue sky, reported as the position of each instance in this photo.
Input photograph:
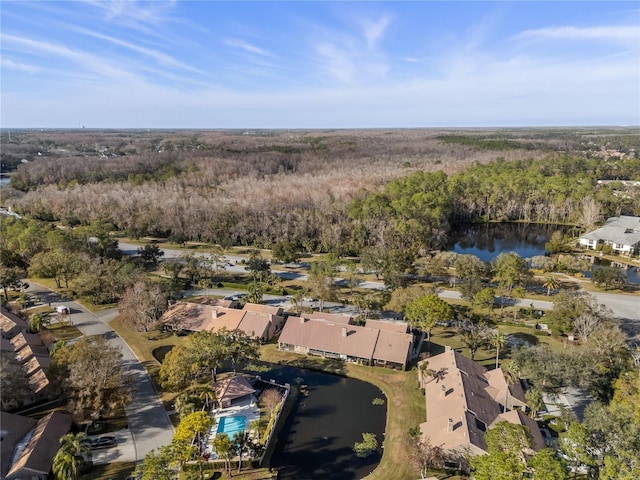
(305, 64)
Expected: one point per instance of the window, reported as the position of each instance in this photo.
(481, 425)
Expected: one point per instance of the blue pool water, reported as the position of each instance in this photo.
(231, 425)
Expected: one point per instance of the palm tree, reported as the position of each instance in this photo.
(65, 466)
(73, 451)
(534, 400)
(240, 441)
(255, 449)
(511, 373)
(39, 320)
(223, 448)
(498, 340)
(550, 283)
(425, 371)
(517, 293)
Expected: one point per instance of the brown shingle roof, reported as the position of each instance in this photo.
(197, 317)
(38, 381)
(255, 324)
(228, 318)
(460, 390)
(517, 417)
(393, 347)
(400, 327)
(23, 339)
(340, 318)
(193, 317)
(219, 302)
(37, 457)
(330, 337)
(14, 428)
(498, 389)
(261, 308)
(36, 362)
(10, 323)
(232, 388)
(24, 353)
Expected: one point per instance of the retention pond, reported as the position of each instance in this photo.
(318, 437)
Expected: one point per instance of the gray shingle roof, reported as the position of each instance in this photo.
(623, 230)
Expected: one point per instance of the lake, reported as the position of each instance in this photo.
(487, 241)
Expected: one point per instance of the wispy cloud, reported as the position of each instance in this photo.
(617, 33)
(160, 57)
(374, 30)
(22, 67)
(337, 62)
(353, 55)
(132, 12)
(90, 62)
(247, 47)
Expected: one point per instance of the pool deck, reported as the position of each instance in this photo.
(246, 407)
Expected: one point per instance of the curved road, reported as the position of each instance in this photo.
(148, 422)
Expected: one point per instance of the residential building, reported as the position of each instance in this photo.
(31, 447)
(11, 324)
(373, 344)
(33, 355)
(621, 233)
(463, 400)
(230, 389)
(257, 321)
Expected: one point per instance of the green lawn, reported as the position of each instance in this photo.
(111, 471)
(63, 331)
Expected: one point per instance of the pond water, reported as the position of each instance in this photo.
(318, 437)
(487, 241)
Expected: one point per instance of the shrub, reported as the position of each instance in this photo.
(367, 446)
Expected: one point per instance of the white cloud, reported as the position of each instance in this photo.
(132, 12)
(337, 62)
(375, 30)
(22, 67)
(90, 62)
(161, 58)
(246, 46)
(617, 33)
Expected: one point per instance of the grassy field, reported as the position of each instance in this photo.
(111, 471)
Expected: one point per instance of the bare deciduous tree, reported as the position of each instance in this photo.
(142, 305)
(271, 398)
(591, 213)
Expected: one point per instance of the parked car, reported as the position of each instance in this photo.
(105, 441)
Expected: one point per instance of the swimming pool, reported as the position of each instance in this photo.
(231, 425)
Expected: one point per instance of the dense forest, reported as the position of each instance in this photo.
(335, 191)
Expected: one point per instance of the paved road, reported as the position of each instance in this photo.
(149, 425)
(624, 307)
